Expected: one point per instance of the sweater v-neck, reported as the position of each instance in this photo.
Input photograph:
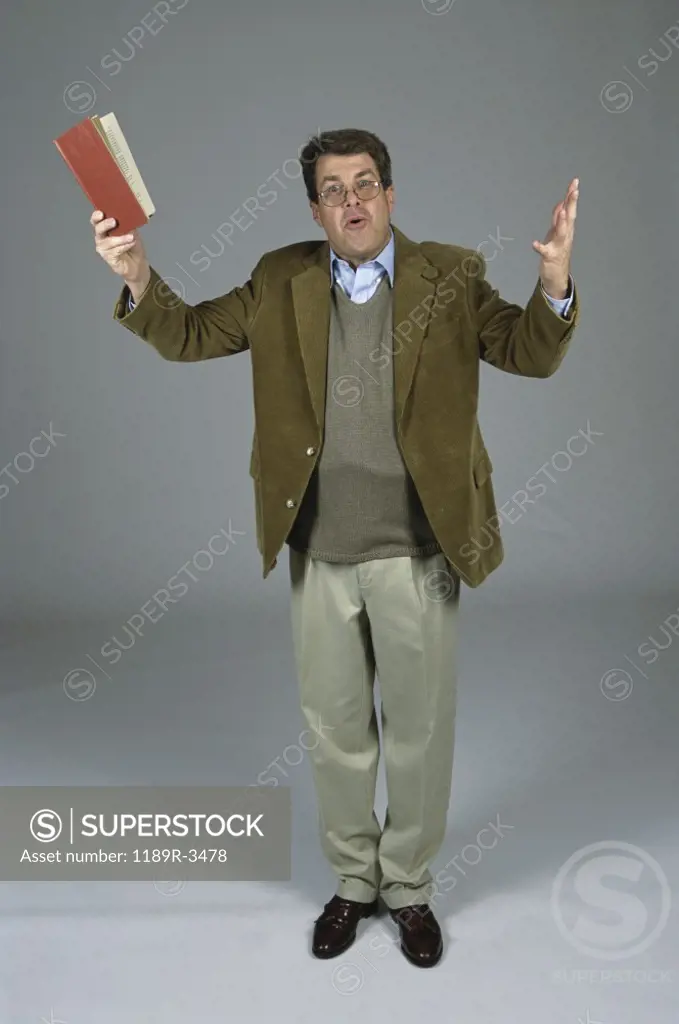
(338, 288)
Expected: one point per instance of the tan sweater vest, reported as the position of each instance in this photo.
(361, 502)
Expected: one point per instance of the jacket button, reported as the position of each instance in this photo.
(311, 450)
(290, 503)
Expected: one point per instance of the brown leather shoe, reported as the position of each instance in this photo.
(421, 939)
(335, 928)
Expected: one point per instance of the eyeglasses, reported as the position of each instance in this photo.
(335, 195)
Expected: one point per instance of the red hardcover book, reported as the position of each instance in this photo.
(100, 159)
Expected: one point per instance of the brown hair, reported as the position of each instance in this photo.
(343, 142)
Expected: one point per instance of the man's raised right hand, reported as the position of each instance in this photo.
(124, 254)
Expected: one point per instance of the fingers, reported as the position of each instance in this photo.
(563, 222)
(107, 245)
(571, 197)
(115, 250)
(102, 225)
(565, 212)
(114, 246)
(108, 241)
(571, 200)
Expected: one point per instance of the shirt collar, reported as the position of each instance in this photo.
(385, 259)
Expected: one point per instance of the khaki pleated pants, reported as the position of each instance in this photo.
(396, 618)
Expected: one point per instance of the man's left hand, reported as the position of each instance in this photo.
(558, 244)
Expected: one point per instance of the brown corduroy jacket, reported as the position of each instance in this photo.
(446, 318)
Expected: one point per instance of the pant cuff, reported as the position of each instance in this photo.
(399, 898)
(356, 889)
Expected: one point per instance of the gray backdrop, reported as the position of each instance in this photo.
(564, 728)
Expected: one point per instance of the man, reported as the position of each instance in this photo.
(368, 461)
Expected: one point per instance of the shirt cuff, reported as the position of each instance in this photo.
(561, 306)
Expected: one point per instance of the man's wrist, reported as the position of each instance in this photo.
(138, 285)
(557, 288)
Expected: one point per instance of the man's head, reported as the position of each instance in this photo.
(333, 164)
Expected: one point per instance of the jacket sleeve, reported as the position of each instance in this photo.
(530, 341)
(184, 333)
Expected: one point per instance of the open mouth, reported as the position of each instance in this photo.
(356, 223)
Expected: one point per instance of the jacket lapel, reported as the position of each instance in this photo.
(311, 299)
(414, 288)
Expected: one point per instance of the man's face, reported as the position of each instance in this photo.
(363, 242)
